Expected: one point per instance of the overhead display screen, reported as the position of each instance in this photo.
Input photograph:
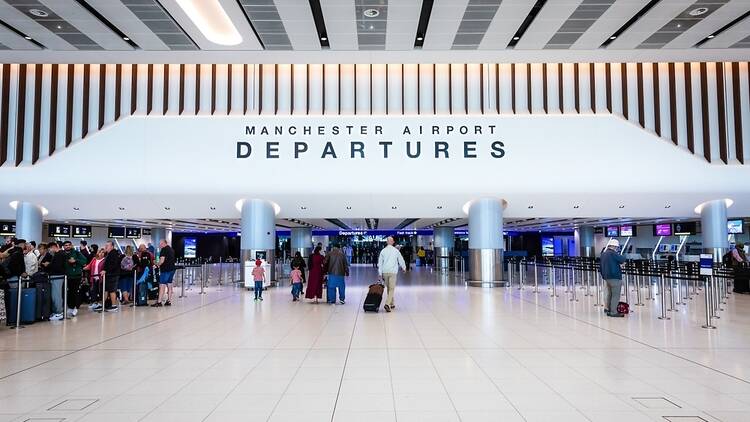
(7, 229)
(190, 245)
(116, 232)
(735, 227)
(613, 231)
(81, 231)
(133, 233)
(662, 230)
(685, 228)
(58, 230)
(548, 246)
(627, 231)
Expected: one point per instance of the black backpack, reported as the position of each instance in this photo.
(727, 259)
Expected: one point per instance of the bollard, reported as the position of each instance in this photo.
(220, 271)
(587, 276)
(65, 297)
(627, 288)
(202, 279)
(715, 295)
(663, 299)
(135, 289)
(598, 291)
(520, 275)
(19, 293)
(574, 298)
(103, 279)
(706, 288)
(554, 283)
(536, 278)
(182, 283)
(638, 287)
(671, 294)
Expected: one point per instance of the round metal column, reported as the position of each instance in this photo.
(302, 241)
(714, 228)
(29, 221)
(443, 247)
(585, 240)
(486, 242)
(159, 234)
(258, 228)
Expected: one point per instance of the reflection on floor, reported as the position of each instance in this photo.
(447, 353)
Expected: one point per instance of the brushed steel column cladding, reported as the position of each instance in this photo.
(486, 242)
(29, 221)
(301, 241)
(258, 233)
(443, 247)
(714, 228)
(585, 240)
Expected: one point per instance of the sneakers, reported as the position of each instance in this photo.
(156, 305)
(56, 317)
(617, 315)
(343, 302)
(112, 309)
(72, 312)
(95, 306)
(167, 303)
(387, 308)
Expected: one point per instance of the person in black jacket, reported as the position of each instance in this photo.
(15, 264)
(111, 273)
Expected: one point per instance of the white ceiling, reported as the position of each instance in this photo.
(287, 31)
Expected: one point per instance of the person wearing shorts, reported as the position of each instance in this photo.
(167, 269)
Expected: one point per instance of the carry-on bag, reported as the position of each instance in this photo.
(374, 298)
(43, 300)
(28, 305)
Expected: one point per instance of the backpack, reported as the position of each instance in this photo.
(727, 259)
(127, 263)
(623, 308)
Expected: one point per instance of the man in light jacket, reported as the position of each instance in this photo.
(389, 261)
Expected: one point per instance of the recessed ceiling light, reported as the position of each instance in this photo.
(710, 36)
(440, 207)
(622, 206)
(530, 206)
(667, 206)
(304, 208)
(39, 13)
(371, 13)
(212, 20)
(576, 206)
(698, 11)
(27, 38)
(59, 26)
(613, 37)
(324, 38)
(394, 207)
(76, 208)
(679, 25)
(516, 38)
(121, 208)
(167, 208)
(212, 208)
(420, 38)
(126, 39)
(348, 207)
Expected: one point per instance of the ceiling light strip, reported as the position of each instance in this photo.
(21, 34)
(723, 28)
(424, 21)
(107, 23)
(212, 20)
(320, 24)
(645, 9)
(526, 23)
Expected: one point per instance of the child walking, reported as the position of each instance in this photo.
(296, 276)
(259, 276)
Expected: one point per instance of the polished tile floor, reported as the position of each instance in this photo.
(448, 353)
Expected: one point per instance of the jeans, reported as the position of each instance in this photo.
(258, 289)
(612, 289)
(296, 290)
(74, 297)
(335, 282)
(57, 294)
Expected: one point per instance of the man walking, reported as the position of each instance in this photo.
(612, 275)
(389, 261)
(337, 268)
(167, 269)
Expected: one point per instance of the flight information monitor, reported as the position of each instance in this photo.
(81, 231)
(735, 227)
(133, 233)
(58, 230)
(685, 228)
(7, 229)
(627, 231)
(662, 230)
(613, 231)
(116, 232)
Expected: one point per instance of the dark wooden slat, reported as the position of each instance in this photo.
(592, 86)
(165, 94)
(21, 113)
(133, 88)
(513, 87)
(624, 87)
(673, 105)
(639, 83)
(528, 87)
(577, 87)
(102, 92)
(55, 78)
(37, 133)
(69, 106)
(450, 89)
(608, 83)
(150, 89)
(229, 88)
(86, 99)
(689, 108)
(497, 87)
(560, 90)
(481, 88)
(722, 112)
(276, 90)
(705, 117)
(182, 90)
(545, 88)
(5, 115)
(118, 91)
(466, 88)
(197, 89)
(244, 89)
(737, 107)
(213, 88)
(657, 98)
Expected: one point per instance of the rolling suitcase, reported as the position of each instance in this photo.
(374, 298)
(43, 300)
(141, 295)
(28, 305)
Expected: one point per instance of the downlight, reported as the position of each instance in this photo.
(698, 11)
(371, 13)
(39, 13)
(212, 20)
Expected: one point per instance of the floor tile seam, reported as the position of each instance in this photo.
(659, 349)
(115, 337)
(390, 369)
(434, 368)
(475, 362)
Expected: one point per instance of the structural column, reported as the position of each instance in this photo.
(714, 228)
(301, 241)
(157, 235)
(584, 237)
(486, 242)
(443, 247)
(258, 239)
(29, 221)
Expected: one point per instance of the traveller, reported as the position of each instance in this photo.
(84, 249)
(127, 271)
(315, 282)
(15, 262)
(74, 264)
(406, 251)
(299, 262)
(612, 275)
(31, 261)
(389, 261)
(422, 255)
(296, 276)
(738, 254)
(151, 248)
(95, 268)
(54, 265)
(94, 249)
(111, 274)
(42, 250)
(337, 268)
(143, 260)
(33, 248)
(167, 269)
(348, 252)
(9, 243)
(259, 276)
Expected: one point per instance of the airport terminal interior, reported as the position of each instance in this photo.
(375, 210)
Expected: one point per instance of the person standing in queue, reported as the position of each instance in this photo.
(315, 281)
(389, 261)
(337, 268)
(167, 269)
(111, 274)
(611, 272)
(74, 270)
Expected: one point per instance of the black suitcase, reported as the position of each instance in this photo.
(43, 300)
(374, 298)
(741, 280)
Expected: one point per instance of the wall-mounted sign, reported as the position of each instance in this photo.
(81, 231)
(146, 232)
(7, 229)
(58, 230)
(115, 232)
(133, 233)
(190, 245)
(707, 264)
